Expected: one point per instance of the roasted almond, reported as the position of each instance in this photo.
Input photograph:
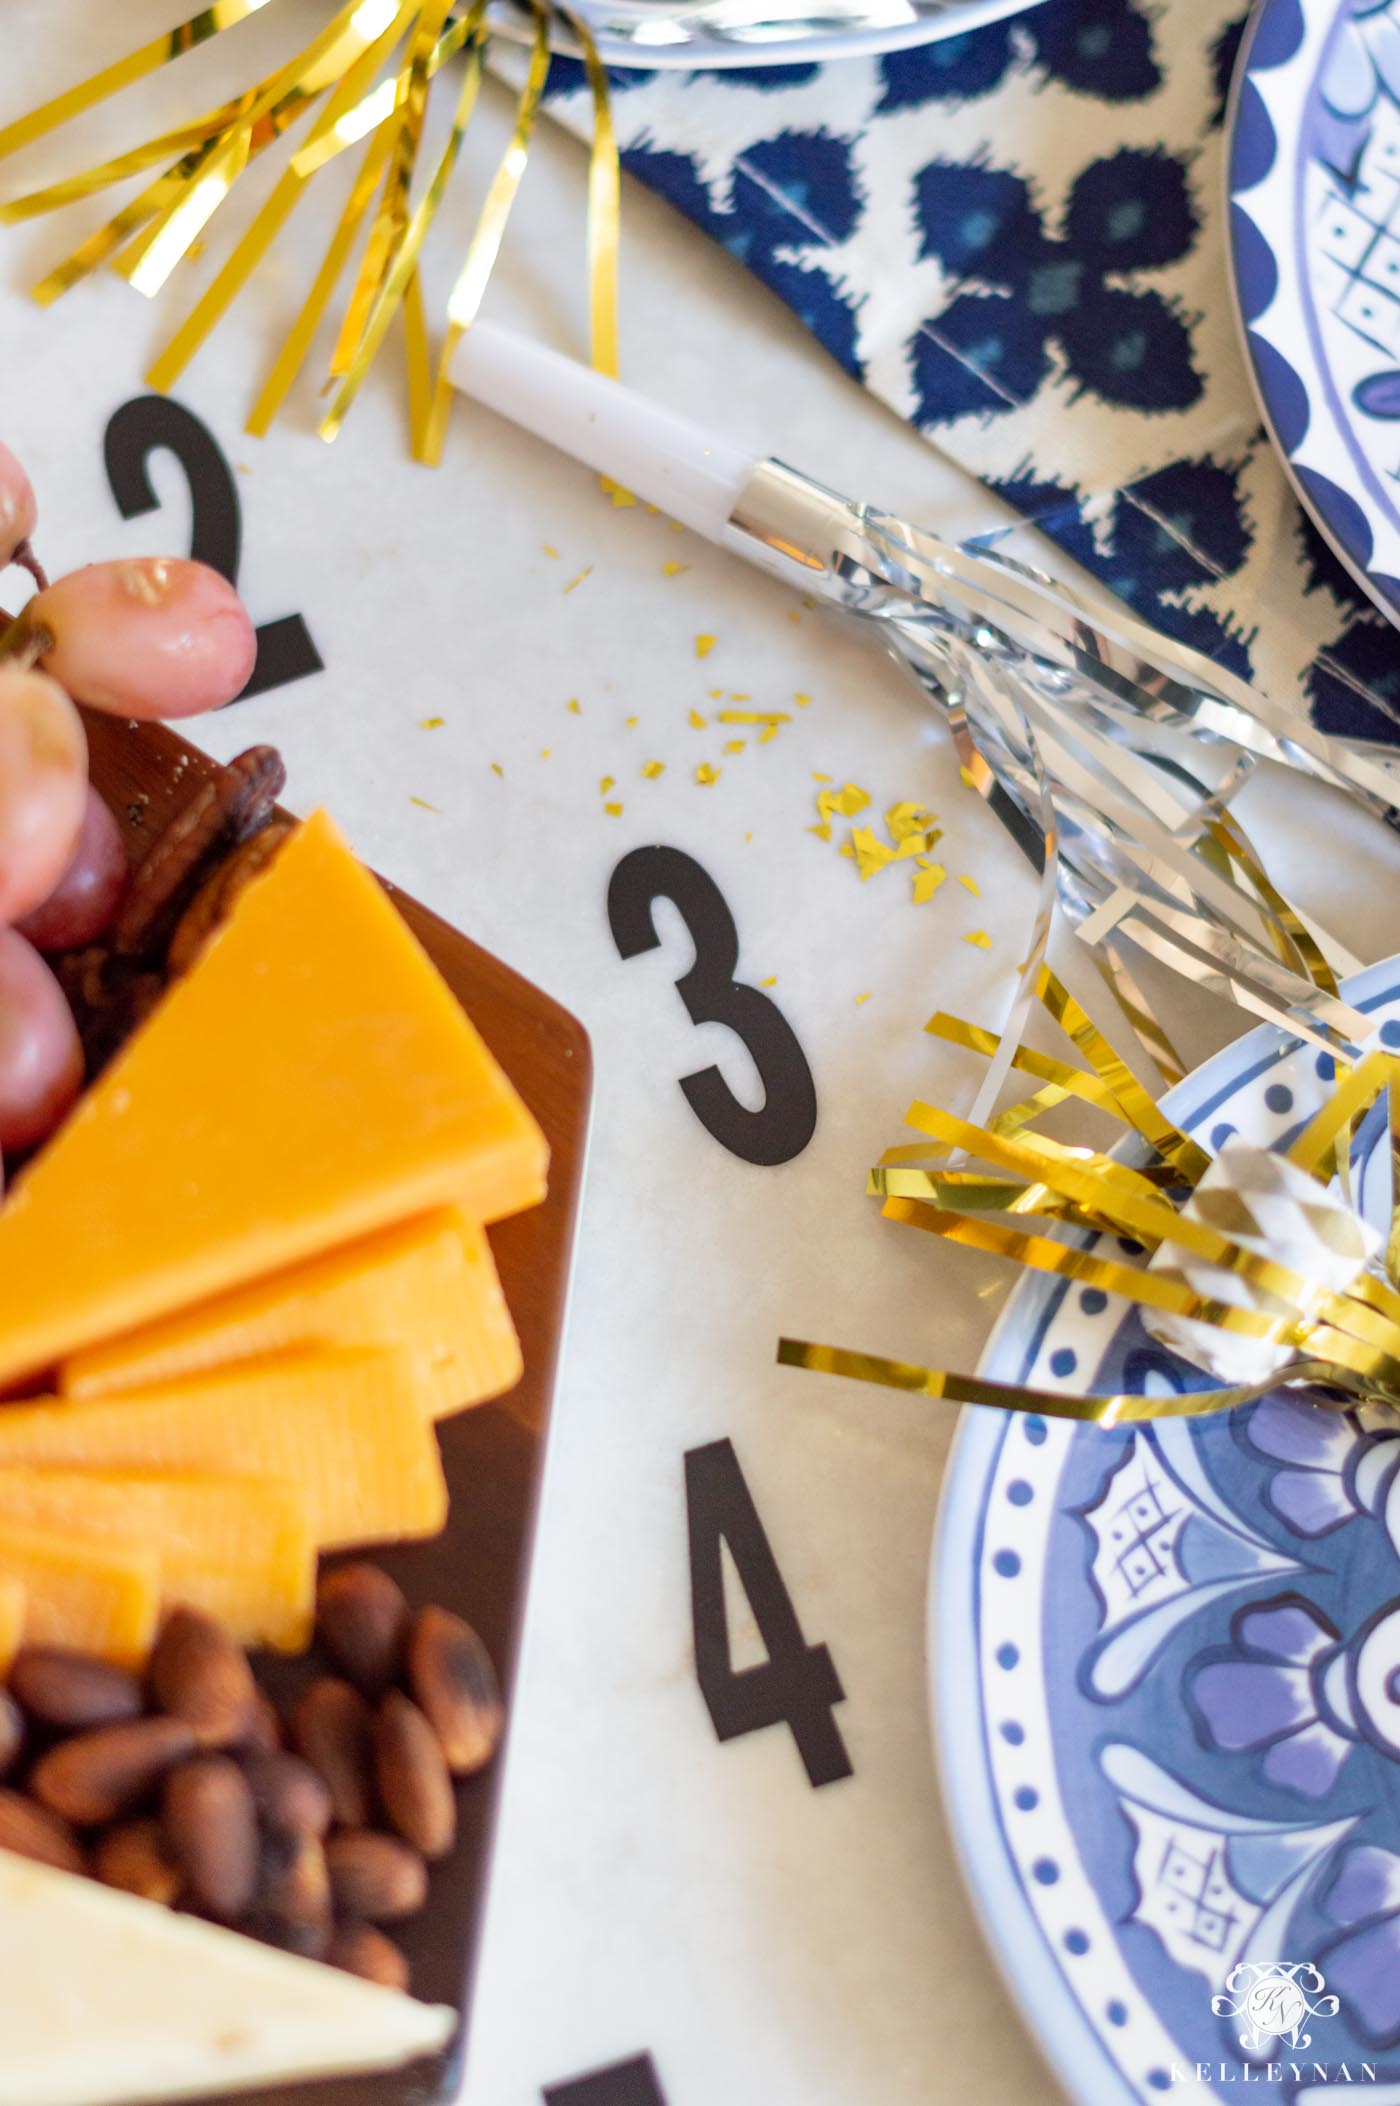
(136, 1857)
(264, 1729)
(32, 1831)
(451, 1676)
(363, 1620)
(332, 1727)
(289, 1795)
(375, 1876)
(212, 1827)
(293, 1906)
(73, 1691)
(101, 1775)
(200, 1674)
(11, 1731)
(358, 1948)
(411, 1772)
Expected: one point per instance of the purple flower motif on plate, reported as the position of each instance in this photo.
(1311, 1492)
(1266, 1691)
(1363, 1965)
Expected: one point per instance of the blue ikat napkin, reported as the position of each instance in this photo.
(1016, 238)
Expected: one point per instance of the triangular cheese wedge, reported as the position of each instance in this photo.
(429, 1285)
(110, 2001)
(311, 1079)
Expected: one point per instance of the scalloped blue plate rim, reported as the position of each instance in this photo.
(1029, 1969)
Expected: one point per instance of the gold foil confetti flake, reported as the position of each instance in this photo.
(621, 498)
(772, 979)
(905, 820)
(674, 524)
(793, 615)
(840, 804)
(706, 775)
(431, 723)
(673, 570)
(654, 770)
(971, 883)
(605, 783)
(631, 723)
(735, 697)
(423, 804)
(821, 778)
(968, 778)
(771, 717)
(867, 851)
(734, 745)
(545, 752)
(980, 939)
(614, 811)
(768, 733)
(497, 769)
(586, 572)
(697, 722)
(715, 694)
(547, 548)
(704, 645)
(864, 997)
(574, 706)
(803, 701)
(927, 882)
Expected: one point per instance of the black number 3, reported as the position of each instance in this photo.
(152, 423)
(785, 1122)
(797, 1685)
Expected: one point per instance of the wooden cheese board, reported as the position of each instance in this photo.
(493, 1456)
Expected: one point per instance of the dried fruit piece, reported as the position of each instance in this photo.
(210, 1820)
(33, 1831)
(199, 1674)
(74, 1691)
(97, 1776)
(450, 1674)
(411, 1772)
(136, 1857)
(375, 1876)
(290, 1796)
(264, 1726)
(363, 1618)
(333, 1727)
(228, 807)
(358, 1948)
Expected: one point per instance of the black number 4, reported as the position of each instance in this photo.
(797, 1685)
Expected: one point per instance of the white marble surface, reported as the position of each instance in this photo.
(654, 1890)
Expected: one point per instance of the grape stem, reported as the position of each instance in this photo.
(24, 642)
(27, 560)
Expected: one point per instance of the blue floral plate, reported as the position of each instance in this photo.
(1314, 178)
(1166, 1686)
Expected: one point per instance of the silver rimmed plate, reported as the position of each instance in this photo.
(701, 34)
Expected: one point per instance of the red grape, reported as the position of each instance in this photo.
(155, 637)
(81, 906)
(17, 508)
(41, 1059)
(43, 788)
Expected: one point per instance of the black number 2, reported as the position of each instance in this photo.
(152, 423)
(786, 1120)
(797, 1685)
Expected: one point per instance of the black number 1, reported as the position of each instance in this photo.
(152, 423)
(631, 2083)
(797, 1685)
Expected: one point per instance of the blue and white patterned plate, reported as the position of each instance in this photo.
(1314, 181)
(1166, 1684)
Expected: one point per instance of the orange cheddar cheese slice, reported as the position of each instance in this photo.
(13, 1597)
(429, 1285)
(101, 1598)
(349, 1429)
(240, 1548)
(310, 1080)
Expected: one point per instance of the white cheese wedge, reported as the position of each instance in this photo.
(109, 2001)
